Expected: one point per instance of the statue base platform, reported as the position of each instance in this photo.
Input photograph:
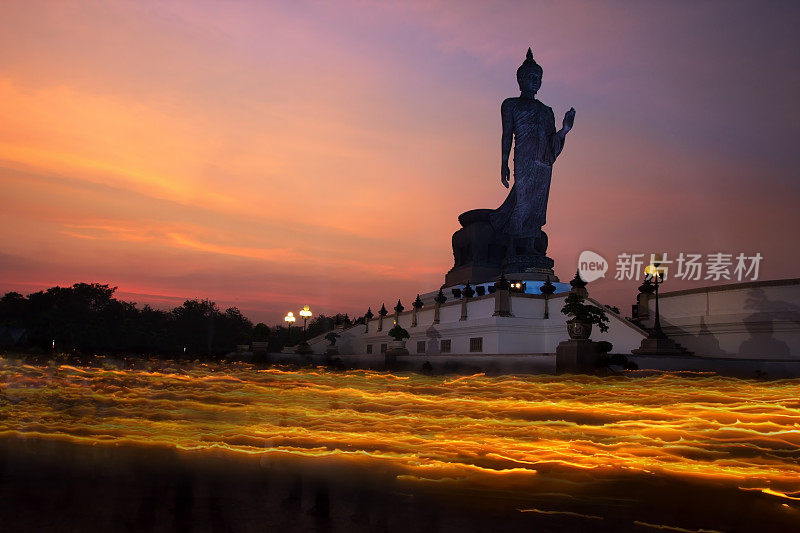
(470, 273)
(526, 263)
(482, 274)
(482, 253)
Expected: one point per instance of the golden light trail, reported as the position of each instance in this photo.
(474, 429)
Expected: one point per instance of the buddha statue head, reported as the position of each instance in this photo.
(529, 75)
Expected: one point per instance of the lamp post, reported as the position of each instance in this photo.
(303, 347)
(657, 342)
(289, 319)
(305, 312)
(656, 278)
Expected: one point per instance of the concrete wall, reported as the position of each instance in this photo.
(758, 320)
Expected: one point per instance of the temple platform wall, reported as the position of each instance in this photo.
(745, 329)
(743, 320)
(527, 331)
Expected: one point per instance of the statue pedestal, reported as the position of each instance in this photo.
(481, 254)
(471, 273)
(481, 274)
(534, 264)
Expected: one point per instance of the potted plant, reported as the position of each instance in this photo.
(332, 348)
(398, 345)
(583, 317)
(399, 335)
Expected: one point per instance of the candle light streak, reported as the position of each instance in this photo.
(474, 429)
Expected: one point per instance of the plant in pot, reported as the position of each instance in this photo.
(583, 317)
(331, 338)
(399, 335)
(332, 349)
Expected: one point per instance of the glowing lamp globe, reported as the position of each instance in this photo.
(652, 270)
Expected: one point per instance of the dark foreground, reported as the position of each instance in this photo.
(47, 485)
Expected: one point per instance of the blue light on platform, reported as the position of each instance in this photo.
(534, 287)
(531, 287)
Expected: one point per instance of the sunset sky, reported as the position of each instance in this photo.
(269, 155)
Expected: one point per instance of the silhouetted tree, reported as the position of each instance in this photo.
(86, 318)
(83, 317)
(232, 328)
(14, 310)
(194, 325)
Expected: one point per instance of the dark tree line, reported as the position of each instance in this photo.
(86, 318)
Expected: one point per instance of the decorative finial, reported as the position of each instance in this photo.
(577, 281)
(502, 283)
(383, 311)
(547, 288)
(440, 298)
(399, 307)
(417, 303)
(579, 286)
(468, 291)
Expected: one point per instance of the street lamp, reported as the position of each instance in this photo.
(656, 277)
(657, 342)
(303, 347)
(305, 312)
(289, 319)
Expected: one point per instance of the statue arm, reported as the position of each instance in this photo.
(557, 138)
(507, 119)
